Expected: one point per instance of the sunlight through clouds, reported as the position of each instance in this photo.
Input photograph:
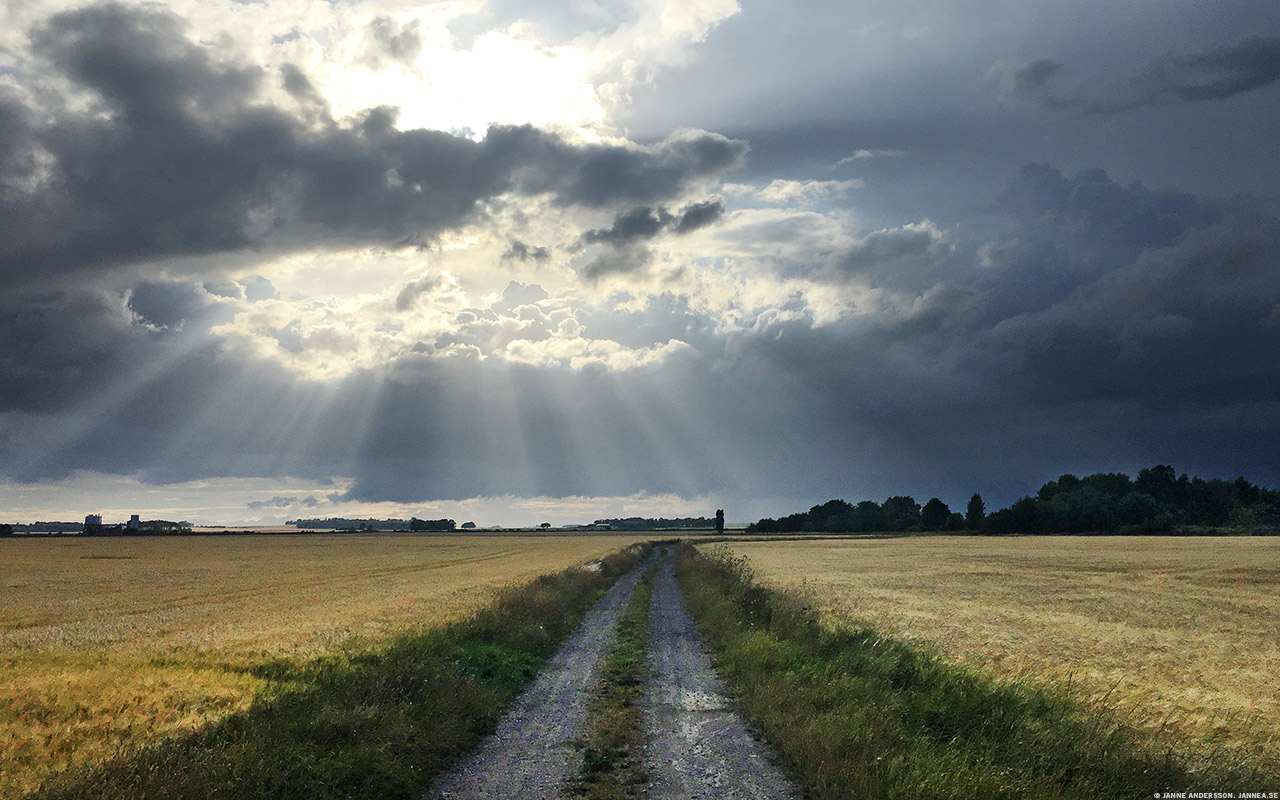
(634, 249)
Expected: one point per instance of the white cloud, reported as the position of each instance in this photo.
(861, 155)
(808, 191)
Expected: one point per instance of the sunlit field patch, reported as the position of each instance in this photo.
(112, 643)
(1177, 634)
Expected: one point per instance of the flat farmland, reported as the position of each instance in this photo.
(111, 643)
(1178, 635)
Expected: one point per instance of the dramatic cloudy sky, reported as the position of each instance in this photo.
(521, 261)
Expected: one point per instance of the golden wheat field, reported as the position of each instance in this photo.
(110, 643)
(1182, 633)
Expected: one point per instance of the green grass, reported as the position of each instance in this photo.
(373, 724)
(856, 714)
(612, 766)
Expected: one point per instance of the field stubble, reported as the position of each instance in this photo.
(1176, 635)
(113, 643)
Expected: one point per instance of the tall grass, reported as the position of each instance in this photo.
(856, 714)
(369, 724)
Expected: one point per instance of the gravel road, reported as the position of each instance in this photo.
(696, 745)
(531, 754)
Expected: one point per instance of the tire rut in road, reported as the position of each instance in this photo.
(697, 746)
(532, 753)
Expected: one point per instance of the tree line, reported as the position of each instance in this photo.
(1159, 500)
(661, 523)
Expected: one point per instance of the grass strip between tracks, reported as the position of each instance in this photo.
(375, 724)
(856, 714)
(612, 758)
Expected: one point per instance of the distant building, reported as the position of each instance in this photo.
(93, 526)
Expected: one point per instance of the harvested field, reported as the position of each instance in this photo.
(110, 643)
(1178, 633)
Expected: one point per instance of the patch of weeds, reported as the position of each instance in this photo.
(497, 667)
(856, 714)
(612, 764)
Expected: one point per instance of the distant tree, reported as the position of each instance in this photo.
(6, 530)
(1140, 513)
(545, 525)
(1024, 516)
(867, 516)
(955, 521)
(1160, 482)
(934, 515)
(788, 524)
(1112, 484)
(1064, 483)
(1246, 492)
(975, 513)
(901, 512)
(719, 520)
(468, 525)
(416, 524)
(833, 515)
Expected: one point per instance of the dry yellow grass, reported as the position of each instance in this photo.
(110, 643)
(1183, 632)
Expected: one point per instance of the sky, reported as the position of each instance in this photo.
(512, 262)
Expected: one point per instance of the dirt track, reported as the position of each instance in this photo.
(531, 754)
(697, 746)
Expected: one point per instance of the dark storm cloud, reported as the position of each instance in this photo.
(640, 224)
(1168, 356)
(1100, 222)
(618, 259)
(281, 501)
(922, 77)
(698, 215)
(58, 348)
(623, 243)
(386, 43)
(1215, 74)
(635, 225)
(168, 305)
(312, 107)
(598, 175)
(1226, 72)
(1035, 75)
(409, 295)
(519, 251)
(180, 156)
(895, 247)
(1195, 321)
(43, 352)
